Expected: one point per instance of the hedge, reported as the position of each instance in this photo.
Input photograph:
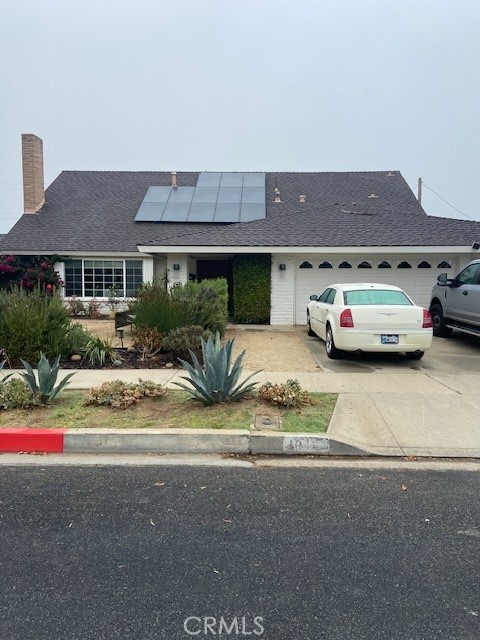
(251, 289)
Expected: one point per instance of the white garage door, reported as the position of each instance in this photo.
(415, 274)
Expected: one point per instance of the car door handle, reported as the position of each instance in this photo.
(464, 293)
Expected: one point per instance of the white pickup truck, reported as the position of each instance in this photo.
(455, 302)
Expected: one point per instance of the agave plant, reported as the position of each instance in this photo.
(4, 378)
(45, 391)
(217, 379)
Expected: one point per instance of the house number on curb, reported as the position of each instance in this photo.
(304, 444)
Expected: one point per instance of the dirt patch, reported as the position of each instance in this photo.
(267, 348)
(105, 328)
(272, 350)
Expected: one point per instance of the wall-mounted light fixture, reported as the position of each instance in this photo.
(476, 246)
(282, 266)
(176, 267)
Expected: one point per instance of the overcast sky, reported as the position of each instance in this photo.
(251, 85)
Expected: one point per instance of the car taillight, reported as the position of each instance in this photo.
(427, 320)
(346, 319)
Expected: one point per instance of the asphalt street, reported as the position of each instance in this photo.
(277, 553)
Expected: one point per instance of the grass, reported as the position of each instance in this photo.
(175, 410)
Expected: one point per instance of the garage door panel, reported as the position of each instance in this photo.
(417, 282)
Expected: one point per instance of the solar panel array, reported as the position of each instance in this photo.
(217, 197)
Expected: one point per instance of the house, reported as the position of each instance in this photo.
(123, 228)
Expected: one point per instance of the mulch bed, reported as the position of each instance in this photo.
(127, 359)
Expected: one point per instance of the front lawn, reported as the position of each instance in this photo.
(174, 410)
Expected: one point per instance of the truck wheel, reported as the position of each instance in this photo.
(440, 329)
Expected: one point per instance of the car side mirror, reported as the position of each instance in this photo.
(442, 280)
(314, 297)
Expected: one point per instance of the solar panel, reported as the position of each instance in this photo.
(231, 180)
(150, 211)
(254, 195)
(205, 194)
(209, 179)
(254, 180)
(227, 212)
(157, 194)
(230, 195)
(217, 197)
(201, 212)
(181, 194)
(176, 212)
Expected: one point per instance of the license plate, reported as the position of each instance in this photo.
(389, 339)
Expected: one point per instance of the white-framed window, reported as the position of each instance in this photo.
(87, 278)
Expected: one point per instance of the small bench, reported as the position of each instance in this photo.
(123, 319)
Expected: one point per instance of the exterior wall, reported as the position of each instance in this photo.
(283, 290)
(159, 266)
(148, 269)
(177, 268)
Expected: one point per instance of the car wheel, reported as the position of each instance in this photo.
(440, 329)
(310, 331)
(415, 355)
(332, 352)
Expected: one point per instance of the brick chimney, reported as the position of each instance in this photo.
(33, 181)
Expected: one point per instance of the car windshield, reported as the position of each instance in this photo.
(376, 296)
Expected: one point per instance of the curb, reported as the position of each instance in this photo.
(170, 441)
(32, 440)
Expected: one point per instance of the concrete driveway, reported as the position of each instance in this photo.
(458, 354)
(424, 408)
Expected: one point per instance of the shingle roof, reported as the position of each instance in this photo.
(95, 211)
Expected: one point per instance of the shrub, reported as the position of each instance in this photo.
(98, 351)
(77, 337)
(217, 380)
(155, 309)
(185, 340)
(120, 394)
(31, 323)
(45, 390)
(93, 309)
(148, 341)
(30, 272)
(289, 394)
(16, 394)
(251, 292)
(75, 307)
(205, 303)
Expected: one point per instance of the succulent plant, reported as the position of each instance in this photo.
(45, 391)
(217, 379)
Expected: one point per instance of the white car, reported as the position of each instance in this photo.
(369, 317)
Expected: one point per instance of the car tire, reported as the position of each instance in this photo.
(415, 355)
(440, 329)
(332, 352)
(310, 331)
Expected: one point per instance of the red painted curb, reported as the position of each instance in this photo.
(31, 440)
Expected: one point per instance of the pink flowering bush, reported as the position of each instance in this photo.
(29, 272)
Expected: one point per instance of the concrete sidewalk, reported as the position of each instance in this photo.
(400, 414)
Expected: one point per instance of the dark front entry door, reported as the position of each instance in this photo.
(217, 269)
